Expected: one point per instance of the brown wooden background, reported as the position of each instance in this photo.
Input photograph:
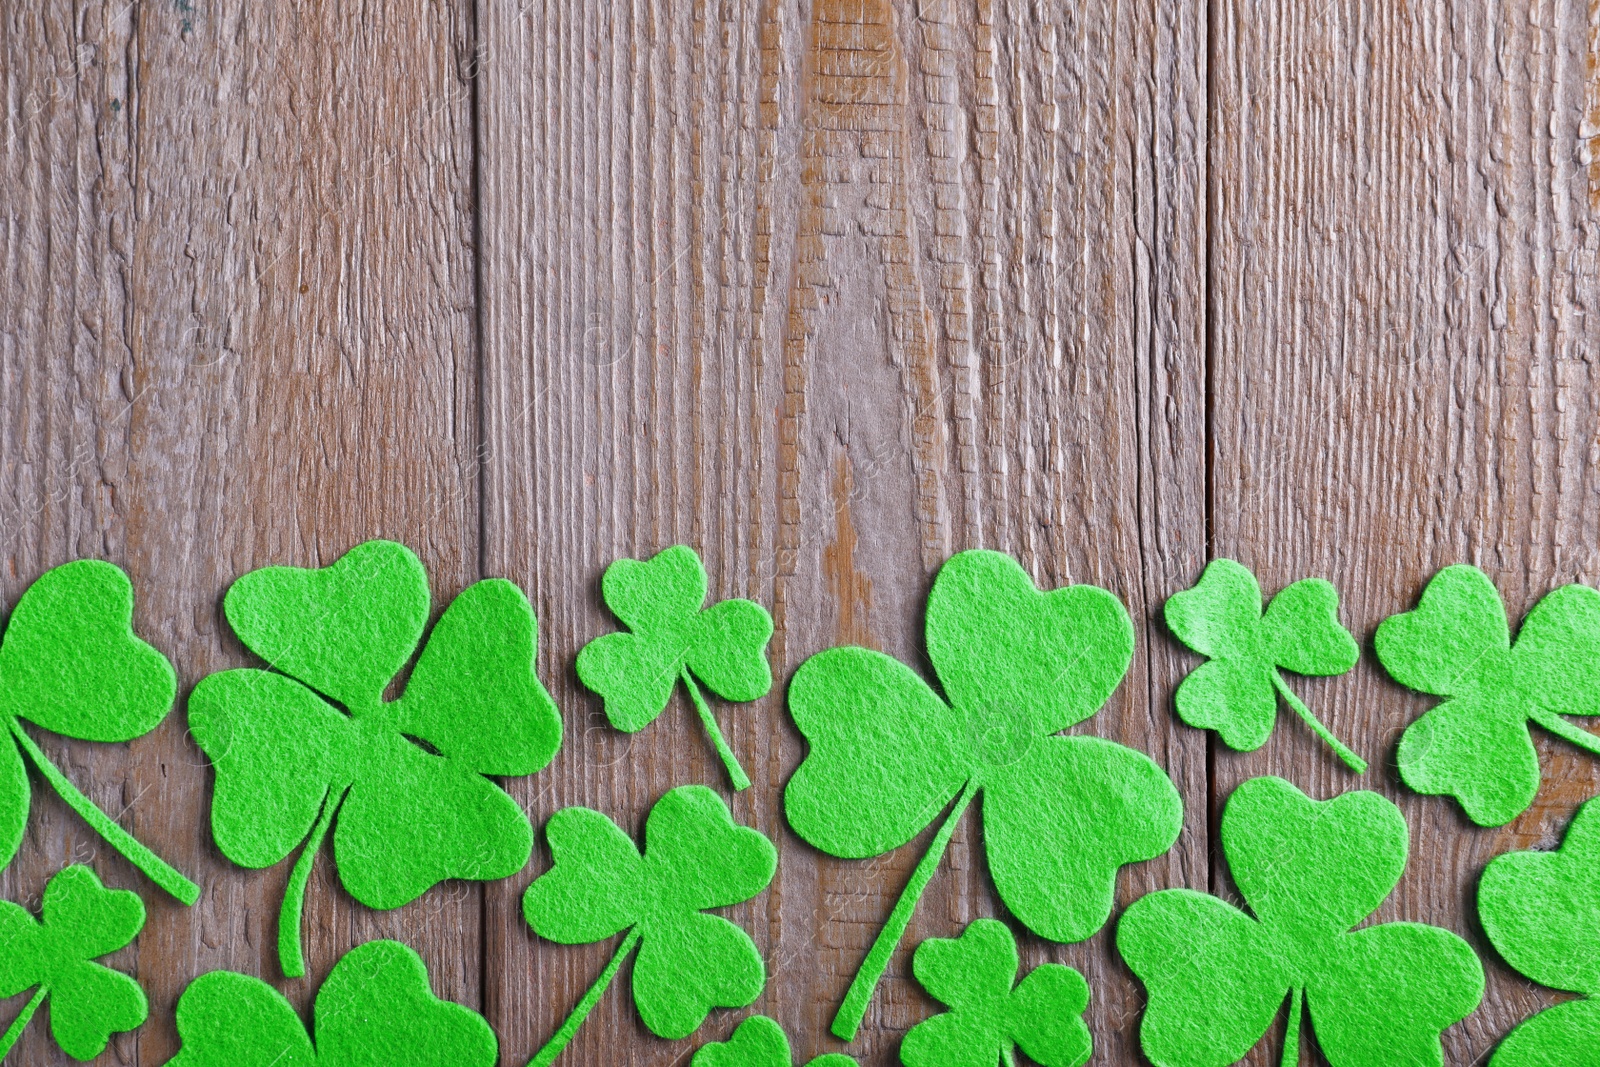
(830, 289)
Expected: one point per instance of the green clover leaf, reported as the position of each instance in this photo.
(671, 640)
(292, 749)
(70, 662)
(991, 1014)
(1060, 814)
(695, 858)
(1541, 911)
(80, 920)
(1475, 745)
(760, 1042)
(1310, 871)
(374, 1010)
(1236, 691)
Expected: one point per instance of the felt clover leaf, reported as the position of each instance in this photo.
(80, 920)
(294, 745)
(672, 640)
(70, 663)
(990, 1016)
(1060, 814)
(694, 858)
(1309, 871)
(1236, 691)
(374, 1010)
(760, 1042)
(1457, 644)
(1541, 911)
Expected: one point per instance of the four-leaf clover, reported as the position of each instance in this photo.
(1236, 692)
(672, 640)
(760, 1042)
(1309, 871)
(1457, 644)
(81, 920)
(1060, 814)
(991, 1014)
(695, 858)
(314, 736)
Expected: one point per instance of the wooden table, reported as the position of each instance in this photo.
(830, 290)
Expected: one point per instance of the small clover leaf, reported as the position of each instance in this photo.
(1060, 814)
(1236, 692)
(695, 858)
(760, 1042)
(375, 1009)
(1457, 644)
(1310, 871)
(80, 920)
(71, 663)
(991, 1014)
(292, 749)
(671, 640)
(1541, 911)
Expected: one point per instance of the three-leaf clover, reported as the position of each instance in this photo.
(70, 662)
(314, 736)
(1457, 644)
(374, 1010)
(81, 920)
(888, 753)
(695, 858)
(991, 1014)
(1236, 691)
(672, 640)
(1309, 871)
(1541, 911)
(760, 1042)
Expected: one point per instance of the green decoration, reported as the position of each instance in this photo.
(695, 858)
(1309, 871)
(1060, 814)
(1541, 911)
(722, 647)
(1236, 691)
(760, 1042)
(70, 662)
(991, 1014)
(1457, 644)
(81, 921)
(406, 776)
(375, 1010)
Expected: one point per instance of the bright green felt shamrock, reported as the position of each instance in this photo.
(694, 858)
(673, 640)
(1541, 910)
(70, 663)
(1310, 871)
(81, 920)
(1457, 645)
(888, 753)
(374, 1010)
(760, 1042)
(991, 1014)
(1236, 692)
(314, 736)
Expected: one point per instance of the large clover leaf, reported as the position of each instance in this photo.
(1457, 645)
(406, 777)
(672, 640)
(1309, 871)
(1060, 814)
(760, 1042)
(694, 858)
(374, 1010)
(70, 662)
(81, 920)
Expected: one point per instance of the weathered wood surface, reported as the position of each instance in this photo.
(831, 290)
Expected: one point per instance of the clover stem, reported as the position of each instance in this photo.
(14, 1031)
(854, 1008)
(290, 957)
(1009, 1054)
(558, 1041)
(1569, 732)
(158, 870)
(1291, 1033)
(1351, 760)
(735, 771)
